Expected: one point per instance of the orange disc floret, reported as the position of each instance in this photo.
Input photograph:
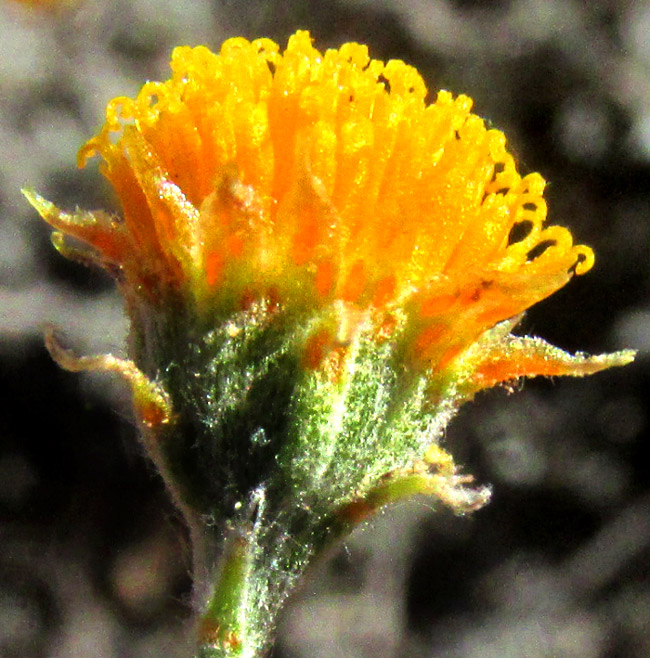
(328, 178)
(317, 346)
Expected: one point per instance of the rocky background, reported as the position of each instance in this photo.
(93, 560)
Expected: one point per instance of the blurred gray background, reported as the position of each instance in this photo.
(93, 559)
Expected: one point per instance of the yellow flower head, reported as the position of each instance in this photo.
(320, 267)
(311, 180)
